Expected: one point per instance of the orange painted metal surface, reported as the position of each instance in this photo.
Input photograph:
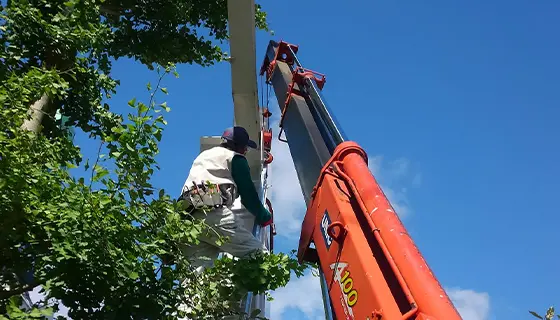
(372, 267)
(267, 139)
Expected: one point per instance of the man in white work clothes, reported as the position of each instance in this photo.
(217, 177)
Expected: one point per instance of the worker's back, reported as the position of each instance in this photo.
(213, 165)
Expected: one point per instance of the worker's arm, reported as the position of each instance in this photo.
(249, 197)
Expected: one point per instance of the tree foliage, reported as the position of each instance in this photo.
(101, 243)
(79, 38)
(550, 313)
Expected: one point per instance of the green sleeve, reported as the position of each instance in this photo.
(249, 197)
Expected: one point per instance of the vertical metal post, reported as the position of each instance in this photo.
(260, 302)
(327, 306)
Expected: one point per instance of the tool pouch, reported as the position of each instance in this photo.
(208, 196)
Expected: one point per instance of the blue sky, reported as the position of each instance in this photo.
(457, 105)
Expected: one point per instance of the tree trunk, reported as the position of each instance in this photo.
(45, 106)
(37, 112)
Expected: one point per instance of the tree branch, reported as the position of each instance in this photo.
(36, 113)
(10, 293)
(113, 11)
(95, 164)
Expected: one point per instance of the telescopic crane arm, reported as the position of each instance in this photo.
(370, 267)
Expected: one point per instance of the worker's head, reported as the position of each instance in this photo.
(237, 139)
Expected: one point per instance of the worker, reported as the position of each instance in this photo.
(217, 177)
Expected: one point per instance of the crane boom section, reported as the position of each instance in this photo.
(369, 265)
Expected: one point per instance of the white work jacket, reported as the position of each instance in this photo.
(214, 166)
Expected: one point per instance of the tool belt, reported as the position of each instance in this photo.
(208, 196)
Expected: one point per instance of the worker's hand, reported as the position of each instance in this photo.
(266, 223)
(265, 218)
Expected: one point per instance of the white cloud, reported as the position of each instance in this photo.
(398, 200)
(396, 171)
(301, 293)
(37, 296)
(399, 167)
(286, 196)
(393, 178)
(471, 305)
(374, 164)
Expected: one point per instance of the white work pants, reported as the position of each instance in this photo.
(226, 223)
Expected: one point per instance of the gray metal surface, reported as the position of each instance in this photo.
(309, 151)
(207, 142)
(311, 132)
(332, 134)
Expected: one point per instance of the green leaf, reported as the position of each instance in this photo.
(164, 90)
(132, 102)
(70, 165)
(47, 312)
(129, 147)
(536, 315)
(158, 135)
(165, 107)
(35, 313)
(100, 172)
(117, 129)
(142, 108)
(133, 275)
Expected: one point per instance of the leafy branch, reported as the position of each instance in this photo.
(548, 316)
(5, 294)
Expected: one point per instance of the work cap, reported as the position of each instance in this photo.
(239, 136)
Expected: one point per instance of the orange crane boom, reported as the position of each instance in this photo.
(370, 267)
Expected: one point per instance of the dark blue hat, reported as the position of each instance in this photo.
(239, 136)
